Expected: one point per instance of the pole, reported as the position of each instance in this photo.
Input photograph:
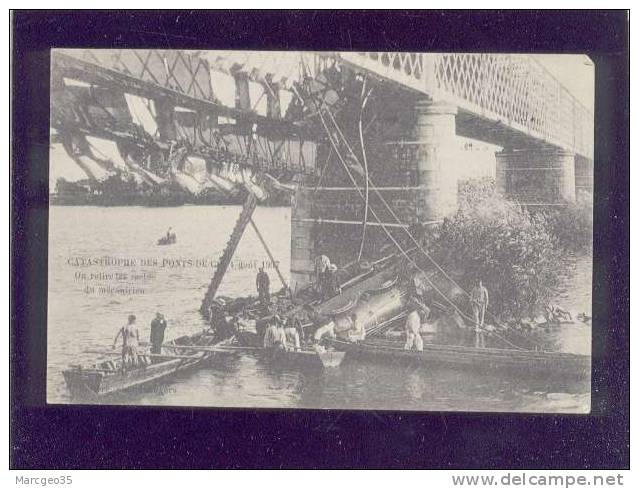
(268, 252)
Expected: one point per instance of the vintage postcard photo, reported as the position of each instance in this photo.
(325, 230)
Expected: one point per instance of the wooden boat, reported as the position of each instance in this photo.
(166, 240)
(304, 358)
(535, 362)
(249, 342)
(107, 377)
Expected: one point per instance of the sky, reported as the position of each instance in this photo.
(576, 72)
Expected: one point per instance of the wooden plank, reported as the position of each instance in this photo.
(223, 263)
(270, 255)
(212, 348)
(117, 354)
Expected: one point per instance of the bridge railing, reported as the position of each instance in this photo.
(514, 89)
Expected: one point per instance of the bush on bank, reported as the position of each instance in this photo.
(517, 253)
(571, 226)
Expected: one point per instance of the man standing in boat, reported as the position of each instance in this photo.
(330, 284)
(275, 336)
(295, 323)
(413, 324)
(262, 283)
(292, 336)
(216, 311)
(130, 340)
(158, 326)
(322, 263)
(479, 303)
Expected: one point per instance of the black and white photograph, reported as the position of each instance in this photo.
(354, 230)
(319, 239)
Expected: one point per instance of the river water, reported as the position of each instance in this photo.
(104, 264)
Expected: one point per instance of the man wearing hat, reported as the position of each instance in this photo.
(330, 285)
(158, 326)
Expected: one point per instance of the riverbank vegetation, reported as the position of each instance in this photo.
(517, 252)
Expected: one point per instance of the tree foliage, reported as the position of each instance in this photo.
(516, 252)
(571, 226)
(509, 248)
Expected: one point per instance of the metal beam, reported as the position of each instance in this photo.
(70, 67)
(319, 220)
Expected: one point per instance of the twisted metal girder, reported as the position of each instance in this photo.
(512, 89)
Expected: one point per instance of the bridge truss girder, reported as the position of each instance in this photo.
(511, 90)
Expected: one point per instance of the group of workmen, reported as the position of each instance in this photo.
(288, 334)
(283, 334)
(326, 283)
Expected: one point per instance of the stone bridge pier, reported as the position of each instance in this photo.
(418, 159)
(416, 165)
(540, 176)
(436, 156)
(584, 177)
(543, 176)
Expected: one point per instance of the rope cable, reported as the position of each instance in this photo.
(366, 179)
(399, 247)
(420, 248)
(418, 245)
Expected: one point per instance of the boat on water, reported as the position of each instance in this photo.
(530, 361)
(106, 376)
(167, 240)
(304, 358)
(307, 356)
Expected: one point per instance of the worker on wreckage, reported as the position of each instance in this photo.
(322, 264)
(479, 304)
(295, 323)
(330, 285)
(275, 335)
(282, 336)
(218, 322)
(357, 331)
(262, 283)
(350, 328)
(416, 313)
(326, 328)
(292, 336)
